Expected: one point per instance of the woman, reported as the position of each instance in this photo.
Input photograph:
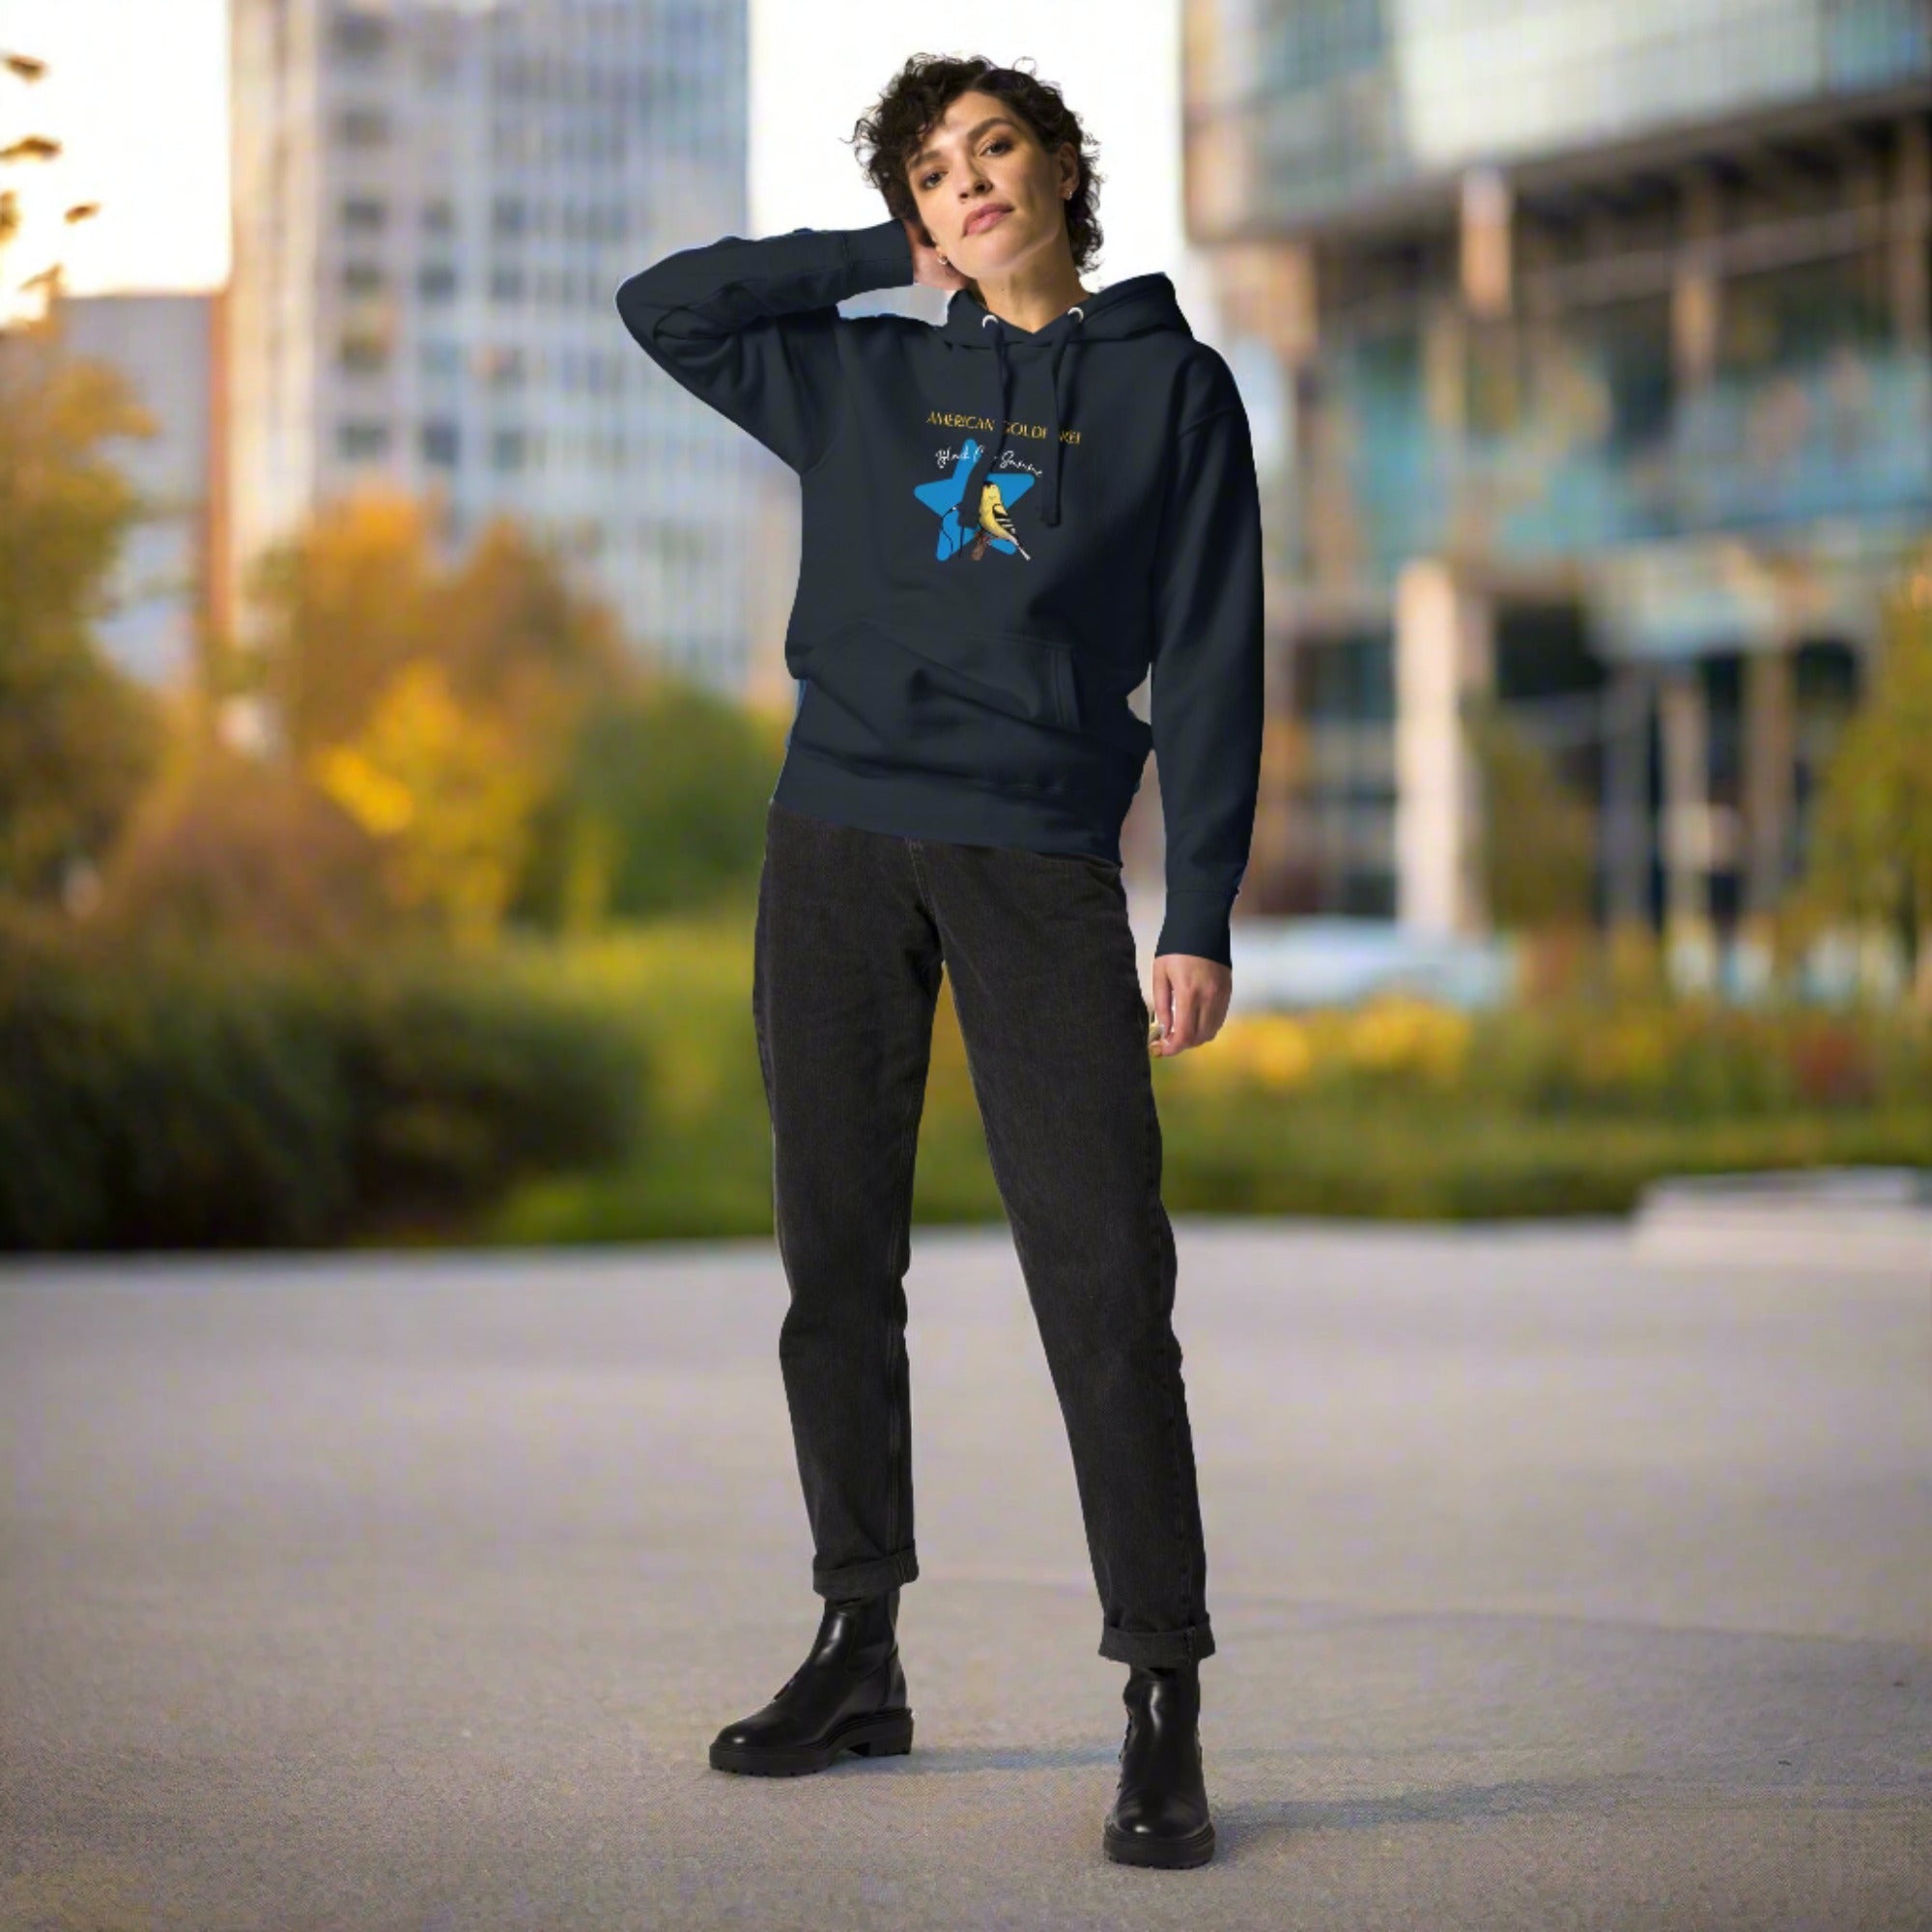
(1008, 521)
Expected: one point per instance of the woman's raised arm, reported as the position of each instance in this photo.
(746, 326)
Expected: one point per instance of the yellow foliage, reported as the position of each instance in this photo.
(349, 603)
(1283, 1052)
(440, 785)
(1270, 1049)
(378, 803)
(1399, 1034)
(1625, 1051)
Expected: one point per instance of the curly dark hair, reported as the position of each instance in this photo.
(916, 101)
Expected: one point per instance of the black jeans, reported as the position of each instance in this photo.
(853, 929)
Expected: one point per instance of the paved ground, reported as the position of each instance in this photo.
(1554, 1588)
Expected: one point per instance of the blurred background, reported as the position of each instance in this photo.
(391, 657)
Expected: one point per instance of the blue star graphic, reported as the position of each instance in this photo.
(943, 499)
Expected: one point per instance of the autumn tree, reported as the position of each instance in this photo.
(229, 849)
(360, 593)
(78, 737)
(1869, 863)
(517, 637)
(440, 788)
(439, 705)
(345, 604)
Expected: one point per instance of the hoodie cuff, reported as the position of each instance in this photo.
(885, 246)
(1197, 923)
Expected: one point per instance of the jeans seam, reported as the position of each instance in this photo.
(908, 1134)
(893, 1418)
(918, 879)
(1168, 1369)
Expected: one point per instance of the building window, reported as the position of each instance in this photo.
(361, 354)
(363, 215)
(506, 284)
(508, 216)
(362, 278)
(513, 141)
(436, 281)
(357, 441)
(360, 38)
(438, 218)
(363, 127)
(439, 358)
(508, 449)
(440, 443)
(503, 365)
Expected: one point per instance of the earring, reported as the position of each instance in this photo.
(943, 259)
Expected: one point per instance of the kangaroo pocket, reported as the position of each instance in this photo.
(993, 708)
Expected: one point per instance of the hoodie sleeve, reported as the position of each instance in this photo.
(746, 325)
(1205, 703)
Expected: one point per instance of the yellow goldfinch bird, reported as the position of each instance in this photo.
(994, 516)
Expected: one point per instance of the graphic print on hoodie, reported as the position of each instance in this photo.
(1003, 532)
(962, 521)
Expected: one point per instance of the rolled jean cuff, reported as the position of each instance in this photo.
(868, 1579)
(1158, 1647)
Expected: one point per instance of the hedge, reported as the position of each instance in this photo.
(171, 1101)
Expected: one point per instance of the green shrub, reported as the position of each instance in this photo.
(169, 1099)
(1616, 1059)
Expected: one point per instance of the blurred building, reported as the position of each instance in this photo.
(435, 202)
(156, 594)
(1603, 334)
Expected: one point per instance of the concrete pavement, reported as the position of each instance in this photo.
(1555, 1586)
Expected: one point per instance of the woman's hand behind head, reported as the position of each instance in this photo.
(928, 271)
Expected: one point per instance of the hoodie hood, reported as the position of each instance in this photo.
(1136, 306)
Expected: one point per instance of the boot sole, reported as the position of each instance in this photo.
(1195, 1849)
(871, 1734)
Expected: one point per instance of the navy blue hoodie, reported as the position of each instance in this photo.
(1001, 532)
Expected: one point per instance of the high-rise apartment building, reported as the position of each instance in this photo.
(435, 203)
(1607, 342)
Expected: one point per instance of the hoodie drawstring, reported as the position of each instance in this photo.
(1002, 405)
(1003, 402)
(1051, 514)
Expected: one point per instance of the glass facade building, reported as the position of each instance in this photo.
(1603, 329)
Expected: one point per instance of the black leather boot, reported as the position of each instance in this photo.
(849, 1695)
(1159, 1815)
